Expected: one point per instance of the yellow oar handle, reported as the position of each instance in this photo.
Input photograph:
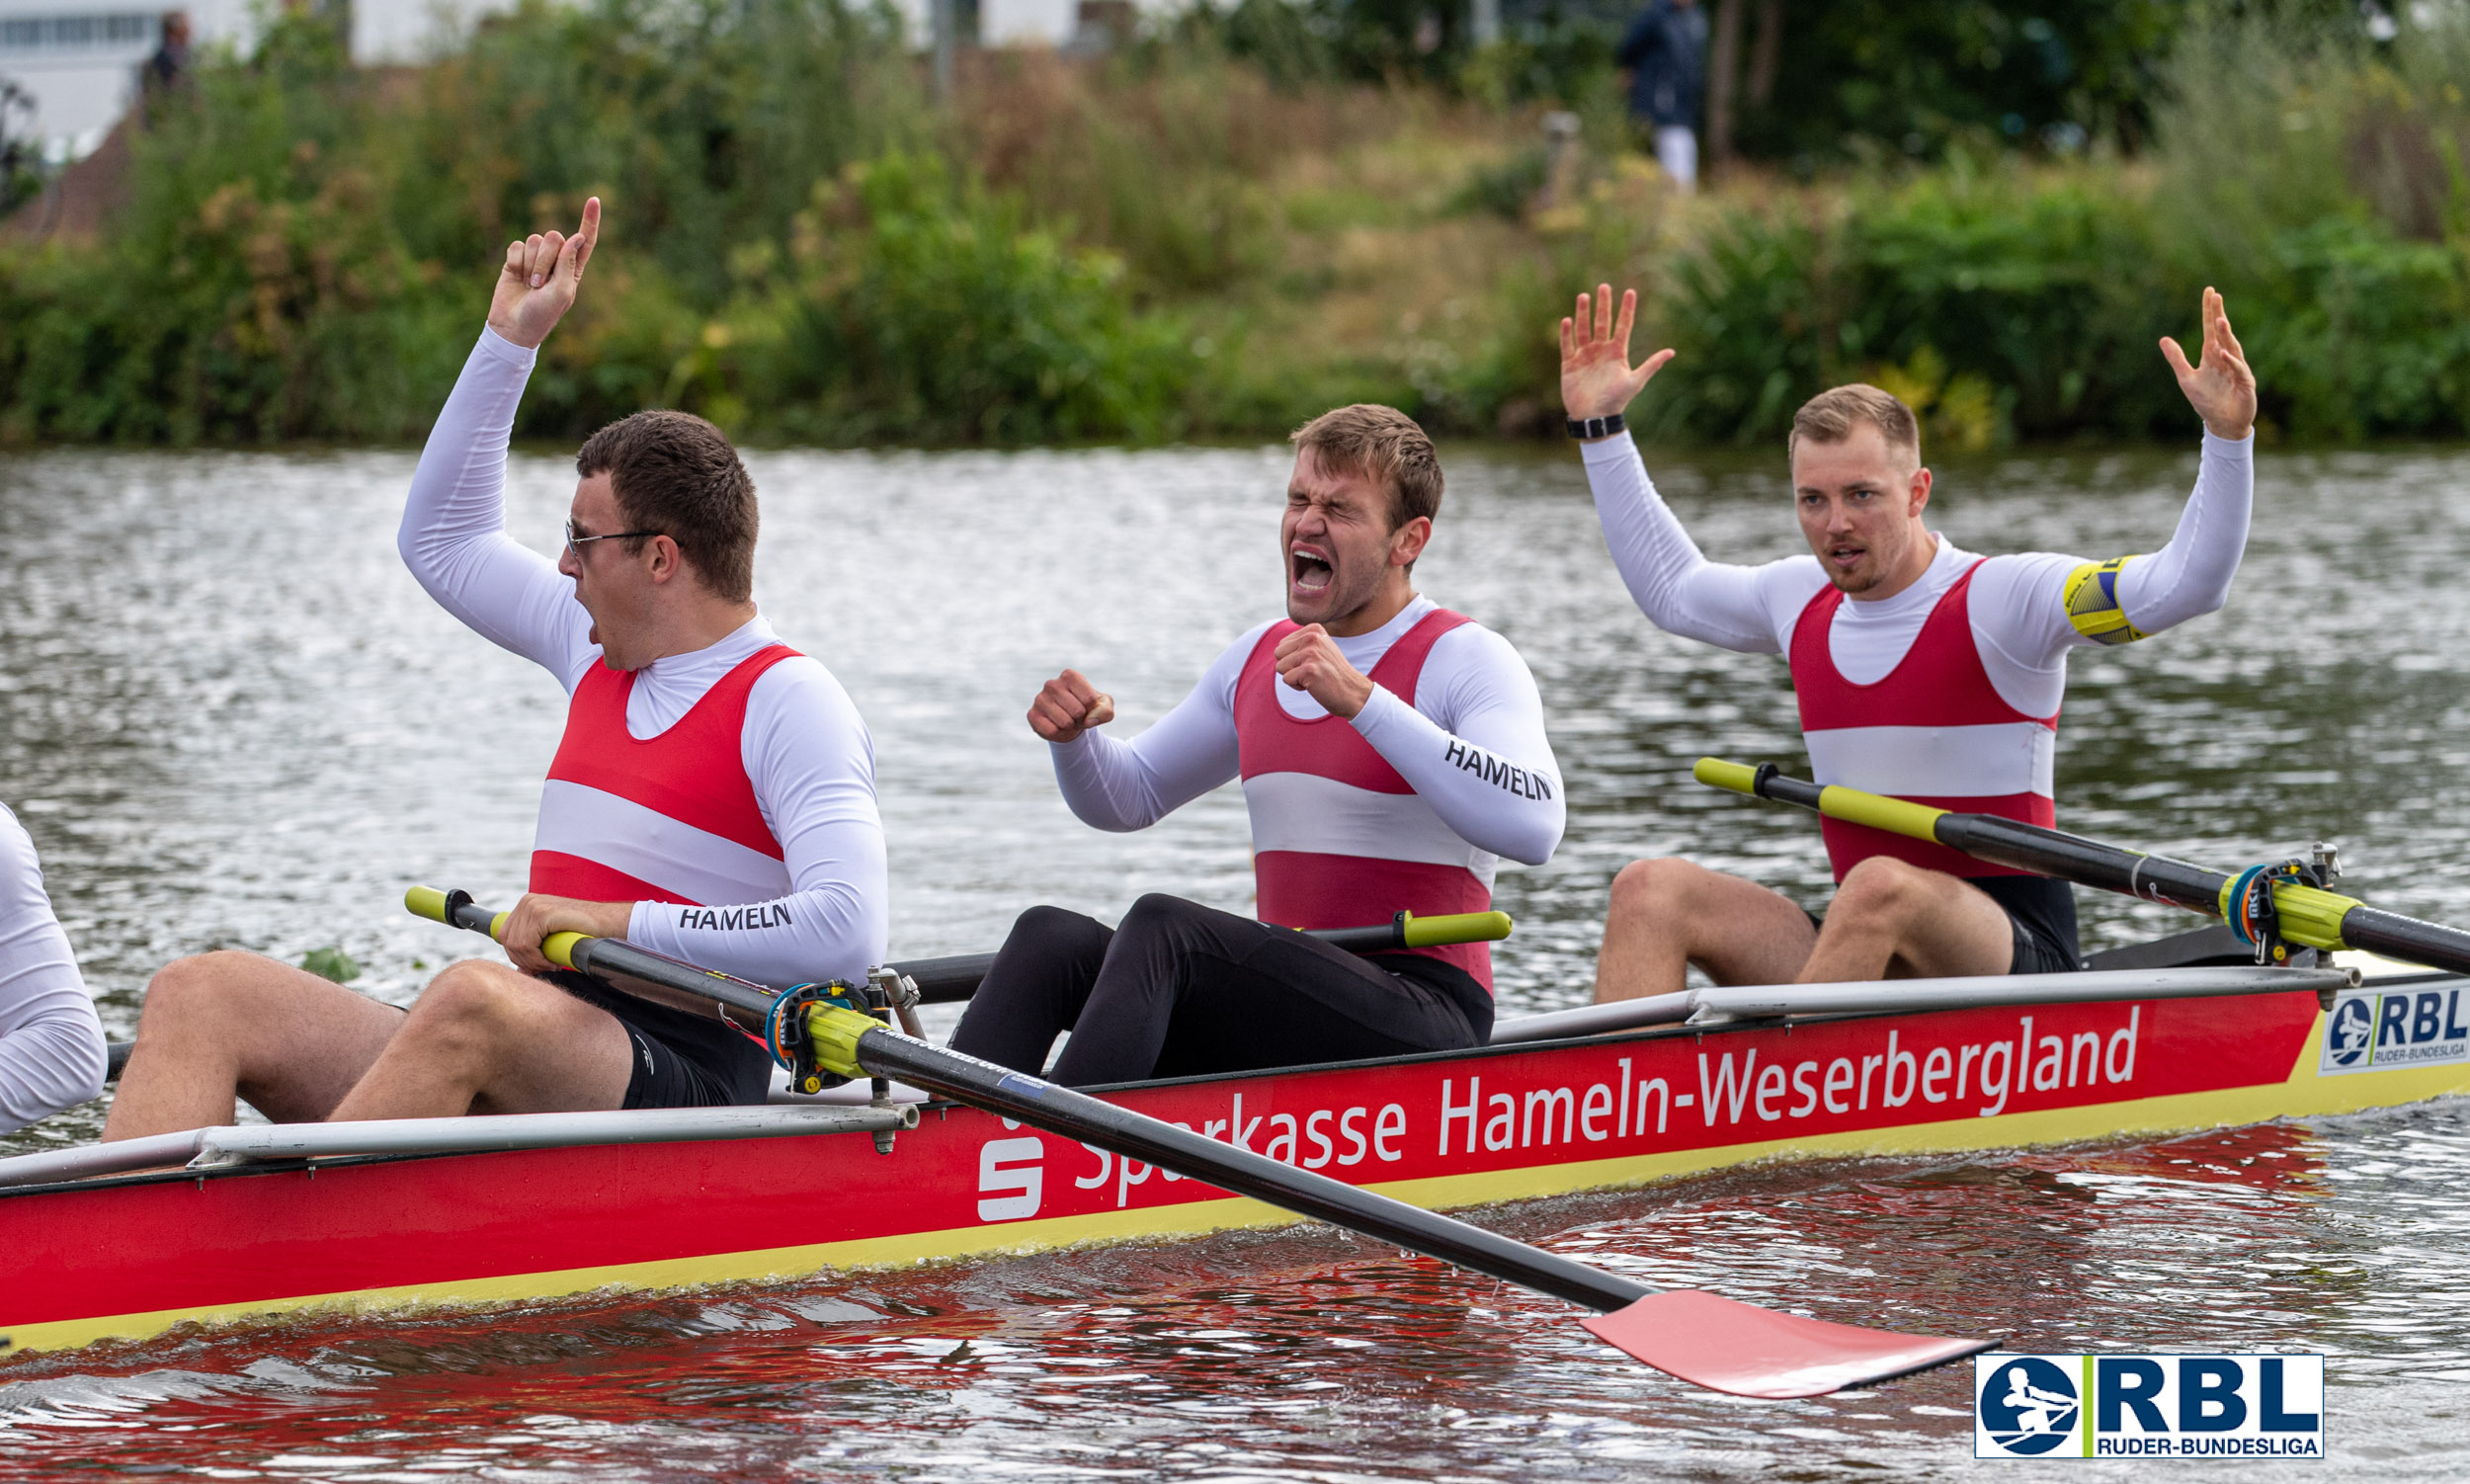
(430, 902)
(1715, 772)
(1455, 927)
(1896, 816)
(557, 947)
(2306, 915)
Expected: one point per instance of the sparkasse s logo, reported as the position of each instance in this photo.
(2148, 1406)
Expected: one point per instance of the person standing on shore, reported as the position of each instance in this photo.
(1665, 54)
(713, 798)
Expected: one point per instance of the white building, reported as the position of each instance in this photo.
(78, 59)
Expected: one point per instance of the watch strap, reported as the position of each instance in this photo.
(1596, 426)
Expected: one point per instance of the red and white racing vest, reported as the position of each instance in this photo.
(1933, 730)
(1339, 839)
(671, 818)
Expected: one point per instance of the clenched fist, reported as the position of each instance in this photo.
(1308, 659)
(1069, 705)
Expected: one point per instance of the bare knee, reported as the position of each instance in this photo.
(1883, 889)
(1650, 889)
(469, 1003)
(208, 987)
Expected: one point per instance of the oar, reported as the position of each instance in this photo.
(945, 980)
(2267, 904)
(956, 977)
(1699, 1337)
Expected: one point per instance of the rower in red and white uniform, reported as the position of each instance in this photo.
(713, 798)
(1922, 671)
(1391, 753)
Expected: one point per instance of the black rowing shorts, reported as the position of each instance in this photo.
(2041, 912)
(681, 1060)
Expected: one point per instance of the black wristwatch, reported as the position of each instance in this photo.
(1595, 427)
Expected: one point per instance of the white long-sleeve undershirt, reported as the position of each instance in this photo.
(1474, 693)
(2018, 604)
(805, 749)
(50, 1039)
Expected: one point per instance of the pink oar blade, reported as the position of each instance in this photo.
(1714, 1342)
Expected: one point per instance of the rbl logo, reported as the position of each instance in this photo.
(2150, 1406)
(2379, 1031)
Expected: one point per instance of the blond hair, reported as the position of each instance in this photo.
(1830, 416)
(1382, 444)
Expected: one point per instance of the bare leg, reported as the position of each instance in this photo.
(1893, 920)
(1666, 914)
(224, 1026)
(486, 1039)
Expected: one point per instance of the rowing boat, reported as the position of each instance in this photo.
(250, 1222)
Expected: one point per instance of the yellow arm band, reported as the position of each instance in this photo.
(2092, 598)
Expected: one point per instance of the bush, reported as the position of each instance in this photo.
(924, 309)
(257, 288)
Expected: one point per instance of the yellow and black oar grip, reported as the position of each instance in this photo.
(436, 905)
(834, 1030)
(1455, 927)
(1896, 816)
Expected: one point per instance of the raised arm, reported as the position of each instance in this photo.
(1672, 582)
(2128, 598)
(454, 532)
(2190, 576)
(51, 1051)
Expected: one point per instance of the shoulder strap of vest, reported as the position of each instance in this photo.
(1816, 614)
(1401, 668)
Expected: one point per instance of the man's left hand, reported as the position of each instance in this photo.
(2220, 387)
(1308, 659)
(535, 917)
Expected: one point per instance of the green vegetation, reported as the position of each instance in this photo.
(332, 963)
(1253, 216)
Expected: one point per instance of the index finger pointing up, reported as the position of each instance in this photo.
(579, 247)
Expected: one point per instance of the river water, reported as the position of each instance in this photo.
(229, 718)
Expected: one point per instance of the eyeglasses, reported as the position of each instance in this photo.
(576, 540)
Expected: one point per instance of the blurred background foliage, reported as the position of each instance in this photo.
(1246, 215)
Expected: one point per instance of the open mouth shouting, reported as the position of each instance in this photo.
(1308, 569)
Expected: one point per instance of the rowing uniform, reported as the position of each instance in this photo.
(1948, 691)
(727, 792)
(1409, 807)
(52, 1052)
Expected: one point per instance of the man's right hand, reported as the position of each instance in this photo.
(1597, 379)
(538, 284)
(1069, 705)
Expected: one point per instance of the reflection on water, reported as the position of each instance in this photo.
(231, 720)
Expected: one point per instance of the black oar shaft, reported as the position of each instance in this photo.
(2312, 916)
(1091, 1121)
(885, 1052)
(2408, 938)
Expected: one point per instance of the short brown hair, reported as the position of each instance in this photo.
(1384, 443)
(1830, 416)
(675, 474)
